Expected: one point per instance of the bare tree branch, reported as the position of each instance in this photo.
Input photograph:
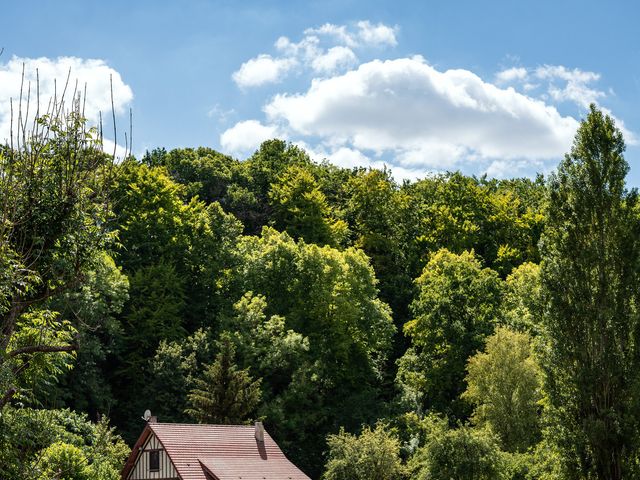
(43, 349)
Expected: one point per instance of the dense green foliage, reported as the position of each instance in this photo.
(372, 455)
(504, 385)
(224, 395)
(462, 453)
(590, 276)
(455, 309)
(379, 330)
(40, 443)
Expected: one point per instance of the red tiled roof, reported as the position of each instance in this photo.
(251, 469)
(224, 451)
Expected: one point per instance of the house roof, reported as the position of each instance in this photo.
(225, 452)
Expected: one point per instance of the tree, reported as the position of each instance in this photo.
(174, 370)
(225, 394)
(500, 220)
(264, 344)
(301, 209)
(522, 302)
(156, 226)
(62, 461)
(176, 254)
(204, 172)
(328, 298)
(504, 385)
(462, 453)
(55, 186)
(373, 455)
(248, 194)
(376, 210)
(455, 310)
(93, 310)
(40, 443)
(590, 283)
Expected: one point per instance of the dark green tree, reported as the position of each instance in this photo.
(590, 282)
(225, 394)
(94, 310)
(324, 302)
(173, 372)
(204, 172)
(376, 210)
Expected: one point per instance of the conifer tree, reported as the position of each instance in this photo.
(225, 395)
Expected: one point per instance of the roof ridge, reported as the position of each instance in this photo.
(201, 424)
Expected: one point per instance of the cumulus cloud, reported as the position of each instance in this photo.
(263, 69)
(322, 50)
(379, 34)
(557, 82)
(511, 74)
(335, 58)
(118, 151)
(576, 84)
(414, 111)
(338, 32)
(365, 34)
(415, 118)
(95, 74)
(246, 136)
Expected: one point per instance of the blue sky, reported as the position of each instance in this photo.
(485, 87)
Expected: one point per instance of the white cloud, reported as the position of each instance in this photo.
(511, 74)
(423, 116)
(305, 50)
(379, 34)
(246, 136)
(52, 73)
(349, 158)
(417, 118)
(325, 49)
(365, 34)
(346, 157)
(558, 83)
(121, 152)
(335, 58)
(576, 86)
(263, 69)
(220, 113)
(338, 32)
(433, 155)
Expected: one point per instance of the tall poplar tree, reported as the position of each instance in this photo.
(590, 280)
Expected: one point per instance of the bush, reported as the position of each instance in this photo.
(62, 461)
(463, 453)
(33, 442)
(374, 455)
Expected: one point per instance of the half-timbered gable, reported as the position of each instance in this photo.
(153, 462)
(170, 451)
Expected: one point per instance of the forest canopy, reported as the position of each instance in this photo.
(449, 327)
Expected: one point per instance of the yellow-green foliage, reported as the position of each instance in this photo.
(372, 455)
(504, 385)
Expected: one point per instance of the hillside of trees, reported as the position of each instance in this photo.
(451, 327)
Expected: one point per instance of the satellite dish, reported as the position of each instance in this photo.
(147, 415)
